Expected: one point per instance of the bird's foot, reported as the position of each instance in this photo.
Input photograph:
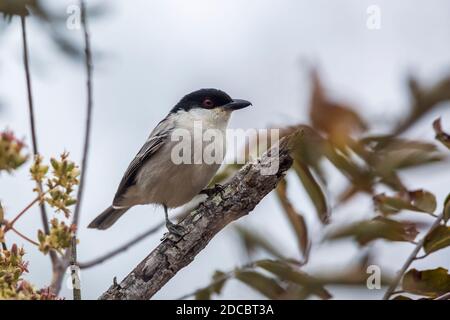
(176, 229)
(211, 191)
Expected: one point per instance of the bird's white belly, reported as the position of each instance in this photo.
(164, 182)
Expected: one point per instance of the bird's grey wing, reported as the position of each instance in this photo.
(154, 142)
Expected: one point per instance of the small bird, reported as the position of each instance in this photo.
(153, 177)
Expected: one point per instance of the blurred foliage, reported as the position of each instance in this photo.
(12, 286)
(378, 228)
(59, 186)
(54, 24)
(296, 219)
(60, 237)
(275, 279)
(338, 134)
(12, 154)
(418, 200)
(430, 283)
(61, 183)
(440, 134)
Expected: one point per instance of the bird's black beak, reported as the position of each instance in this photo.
(237, 104)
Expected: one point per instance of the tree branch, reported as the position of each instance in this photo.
(89, 103)
(122, 248)
(53, 257)
(238, 197)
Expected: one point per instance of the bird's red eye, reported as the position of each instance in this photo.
(207, 103)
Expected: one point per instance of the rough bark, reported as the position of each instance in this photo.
(237, 198)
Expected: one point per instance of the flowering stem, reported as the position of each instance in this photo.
(24, 236)
(9, 225)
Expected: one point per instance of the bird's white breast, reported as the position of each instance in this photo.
(162, 181)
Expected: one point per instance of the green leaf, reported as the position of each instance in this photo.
(264, 285)
(285, 272)
(438, 239)
(313, 189)
(430, 283)
(297, 220)
(377, 228)
(418, 200)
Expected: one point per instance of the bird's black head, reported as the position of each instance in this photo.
(209, 99)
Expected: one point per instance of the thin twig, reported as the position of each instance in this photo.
(9, 225)
(44, 217)
(411, 258)
(89, 104)
(24, 236)
(132, 242)
(120, 249)
(31, 113)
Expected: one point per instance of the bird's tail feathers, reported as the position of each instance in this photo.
(107, 218)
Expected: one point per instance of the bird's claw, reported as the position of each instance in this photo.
(176, 229)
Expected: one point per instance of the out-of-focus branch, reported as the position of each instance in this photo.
(89, 103)
(120, 249)
(238, 197)
(109, 255)
(53, 257)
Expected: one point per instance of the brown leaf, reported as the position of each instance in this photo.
(425, 99)
(297, 221)
(361, 179)
(447, 208)
(285, 272)
(438, 239)
(390, 154)
(440, 134)
(430, 283)
(2, 214)
(264, 285)
(377, 228)
(401, 297)
(337, 120)
(418, 200)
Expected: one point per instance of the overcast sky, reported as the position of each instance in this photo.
(148, 54)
